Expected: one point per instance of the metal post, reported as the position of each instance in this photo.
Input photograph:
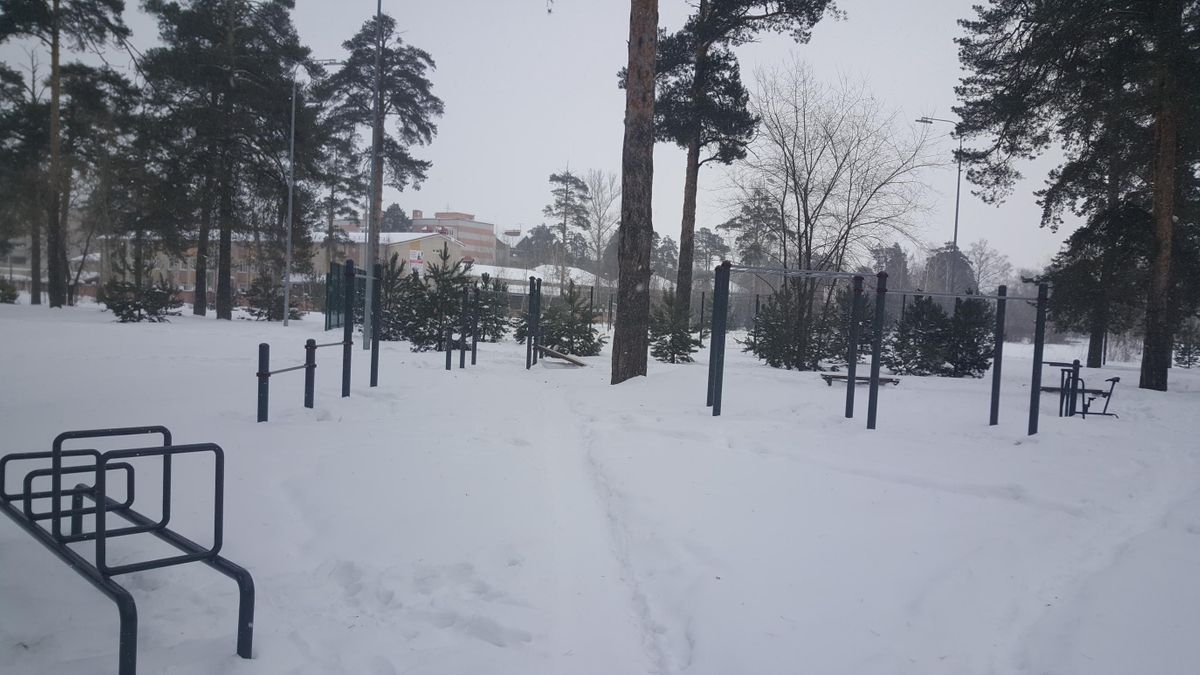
(264, 379)
(877, 348)
(717, 339)
(448, 342)
(1039, 346)
(610, 312)
(310, 371)
(537, 320)
(702, 319)
(348, 326)
(591, 305)
(462, 329)
(529, 326)
(756, 305)
(856, 307)
(287, 265)
(375, 312)
(1073, 405)
(475, 327)
(998, 356)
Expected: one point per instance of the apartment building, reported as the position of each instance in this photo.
(415, 248)
(478, 238)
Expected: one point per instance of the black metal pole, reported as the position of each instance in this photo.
(447, 343)
(591, 305)
(998, 356)
(610, 311)
(1039, 347)
(856, 300)
(462, 329)
(702, 319)
(347, 327)
(1073, 407)
(264, 379)
(877, 348)
(529, 326)
(475, 327)
(717, 339)
(375, 316)
(756, 304)
(310, 371)
(537, 320)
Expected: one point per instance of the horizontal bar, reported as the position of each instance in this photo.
(156, 451)
(29, 456)
(115, 532)
(786, 272)
(339, 343)
(965, 296)
(283, 370)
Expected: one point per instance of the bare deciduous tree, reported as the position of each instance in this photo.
(603, 211)
(991, 266)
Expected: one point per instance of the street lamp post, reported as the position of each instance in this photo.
(958, 184)
(287, 264)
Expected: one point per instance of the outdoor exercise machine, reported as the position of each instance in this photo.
(309, 366)
(21, 508)
(1071, 388)
(468, 325)
(720, 306)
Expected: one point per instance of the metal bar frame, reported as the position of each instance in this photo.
(98, 572)
(1039, 350)
(856, 309)
(877, 348)
(997, 356)
(348, 327)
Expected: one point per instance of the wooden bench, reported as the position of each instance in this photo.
(546, 351)
(830, 377)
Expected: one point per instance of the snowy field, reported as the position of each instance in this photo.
(493, 520)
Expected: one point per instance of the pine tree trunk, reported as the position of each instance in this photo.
(631, 332)
(56, 246)
(1098, 329)
(687, 230)
(226, 184)
(35, 258)
(1156, 348)
(200, 292)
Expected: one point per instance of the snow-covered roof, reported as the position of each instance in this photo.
(385, 238)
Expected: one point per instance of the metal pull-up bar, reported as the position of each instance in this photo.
(720, 303)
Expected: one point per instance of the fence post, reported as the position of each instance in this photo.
(998, 356)
(529, 327)
(347, 326)
(1039, 347)
(310, 371)
(856, 300)
(877, 348)
(375, 314)
(264, 379)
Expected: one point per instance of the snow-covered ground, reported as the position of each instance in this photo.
(494, 520)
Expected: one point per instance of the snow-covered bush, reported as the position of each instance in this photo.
(671, 339)
(265, 299)
(8, 293)
(131, 303)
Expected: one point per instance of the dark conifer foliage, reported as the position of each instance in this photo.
(568, 325)
(671, 338)
(918, 344)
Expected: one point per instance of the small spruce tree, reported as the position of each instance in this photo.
(568, 325)
(265, 299)
(8, 293)
(493, 309)
(671, 340)
(1187, 344)
(917, 345)
(444, 283)
(969, 339)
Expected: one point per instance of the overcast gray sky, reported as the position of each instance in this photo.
(528, 92)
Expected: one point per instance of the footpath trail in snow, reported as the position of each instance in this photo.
(501, 520)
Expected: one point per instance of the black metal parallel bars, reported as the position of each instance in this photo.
(475, 327)
(1039, 349)
(463, 320)
(877, 348)
(998, 356)
(856, 308)
(310, 371)
(537, 320)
